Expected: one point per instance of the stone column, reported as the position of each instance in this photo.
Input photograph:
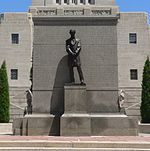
(62, 2)
(44, 3)
(78, 2)
(54, 1)
(86, 2)
(70, 2)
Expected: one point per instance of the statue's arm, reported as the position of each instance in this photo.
(78, 48)
(69, 51)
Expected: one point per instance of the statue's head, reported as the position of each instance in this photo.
(72, 33)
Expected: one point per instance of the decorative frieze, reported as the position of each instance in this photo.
(73, 12)
(46, 12)
(101, 12)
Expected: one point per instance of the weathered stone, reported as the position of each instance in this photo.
(144, 128)
(75, 99)
(75, 125)
(41, 124)
(17, 126)
(5, 128)
(113, 125)
(98, 57)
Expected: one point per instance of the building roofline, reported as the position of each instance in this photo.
(134, 12)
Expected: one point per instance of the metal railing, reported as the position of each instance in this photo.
(17, 106)
(133, 105)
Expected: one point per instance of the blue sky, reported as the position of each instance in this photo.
(125, 5)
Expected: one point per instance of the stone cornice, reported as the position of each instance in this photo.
(76, 20)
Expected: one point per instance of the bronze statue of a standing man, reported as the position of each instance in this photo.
(73, 48)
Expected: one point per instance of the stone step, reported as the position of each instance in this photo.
(68, 149)
(45, 145)
(5, 128)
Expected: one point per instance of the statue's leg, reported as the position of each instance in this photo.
(80, 74)
(72, 79)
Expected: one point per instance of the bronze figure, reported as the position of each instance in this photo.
(73, 48)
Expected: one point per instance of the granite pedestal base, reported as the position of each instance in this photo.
(37, 124)
(75, 121)
(78, 122)
(113, 125)
(75, 98)
(75, 125)
(98, 125)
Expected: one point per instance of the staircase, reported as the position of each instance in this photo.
(14, 143)
(132, 103)
(17, 102)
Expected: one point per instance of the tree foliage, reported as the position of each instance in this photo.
(4, 95)
(145, 104)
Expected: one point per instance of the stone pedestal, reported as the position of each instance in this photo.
(75, 125)
(75, 99)
(76, 121)
(113, 125)
(37, 125)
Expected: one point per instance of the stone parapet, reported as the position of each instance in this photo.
(75, 2)
(74, 11)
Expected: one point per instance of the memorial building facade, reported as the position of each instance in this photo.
(16, 49)
(115, 46)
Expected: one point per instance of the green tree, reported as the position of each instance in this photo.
(145, 104)
(4, 95)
